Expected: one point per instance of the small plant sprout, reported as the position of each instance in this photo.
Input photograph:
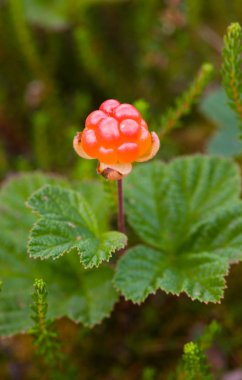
(45, 337)
(231, 68)
(117, 136)
(183, 104)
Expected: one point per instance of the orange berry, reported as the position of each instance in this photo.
(144, 124)
(89, 142)
(127, 152)
(107, 155)
(108, 133)
(109, 105)
(129, 129)
(126, 111)
(94, 118)
(144, 141)
(116, 134)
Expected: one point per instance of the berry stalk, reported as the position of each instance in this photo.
(121, 223)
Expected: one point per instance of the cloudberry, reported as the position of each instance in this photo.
(116, 135)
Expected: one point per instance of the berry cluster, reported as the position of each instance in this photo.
(116, 134)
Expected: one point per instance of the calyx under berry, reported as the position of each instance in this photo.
(117, 136)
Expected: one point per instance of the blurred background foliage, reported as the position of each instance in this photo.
(59, 60)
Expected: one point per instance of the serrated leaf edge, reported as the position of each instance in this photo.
(110, 253)
(29, 240)
(41, 218)
(147, 294)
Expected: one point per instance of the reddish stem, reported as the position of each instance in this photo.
(121, 224)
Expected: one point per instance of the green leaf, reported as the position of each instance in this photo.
(96, 195)
(190, 216)
(96, 299)
(65, 278)
(214, 106)
(13, 225)
(66, 223)
(142, 271)
(165, 202)
(221, 236)
(14, 312)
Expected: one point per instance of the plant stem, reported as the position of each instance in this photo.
(121, 224)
